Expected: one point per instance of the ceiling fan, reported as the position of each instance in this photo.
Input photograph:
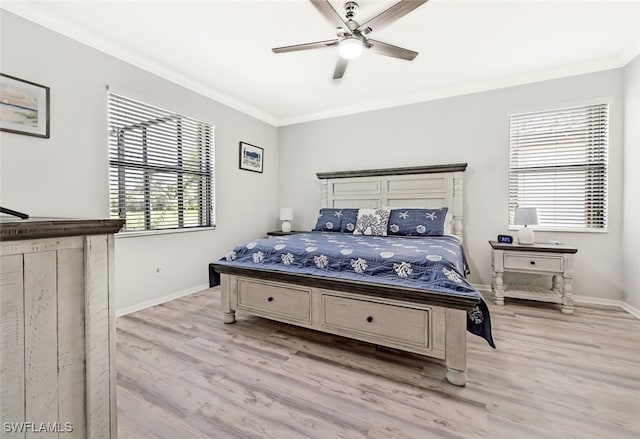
(353, 37)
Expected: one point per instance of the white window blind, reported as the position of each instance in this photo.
(558, 163)
(161, 167)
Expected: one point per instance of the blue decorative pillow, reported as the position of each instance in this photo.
(336, 220)
(349, 219)
(417, 222)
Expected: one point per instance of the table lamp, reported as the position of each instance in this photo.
(525, 216)
(286, 215)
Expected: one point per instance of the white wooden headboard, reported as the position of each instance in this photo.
(419, 187)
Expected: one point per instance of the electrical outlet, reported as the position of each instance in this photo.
(157, 271)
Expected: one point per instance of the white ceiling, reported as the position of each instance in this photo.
(222, 49)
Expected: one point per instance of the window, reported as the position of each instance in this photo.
(160, 167)
(558, 163)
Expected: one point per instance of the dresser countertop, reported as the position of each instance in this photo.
(12, 229)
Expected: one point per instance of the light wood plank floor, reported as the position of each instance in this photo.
(182, 373)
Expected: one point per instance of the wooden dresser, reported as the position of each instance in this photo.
(57, 328)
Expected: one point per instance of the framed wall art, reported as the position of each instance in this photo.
(24, 107)
(251, 157)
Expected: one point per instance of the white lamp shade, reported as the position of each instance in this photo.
(525, 216)
(350, 48)
(286, 213)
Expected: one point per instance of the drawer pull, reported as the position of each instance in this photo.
(533, 262)
(270, 299)
(369, 319)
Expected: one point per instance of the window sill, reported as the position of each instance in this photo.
(138, 233)
(560, 229)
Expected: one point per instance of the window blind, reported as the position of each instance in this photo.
(161, 167)
(558, 163)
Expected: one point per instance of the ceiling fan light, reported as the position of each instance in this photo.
(350, 48)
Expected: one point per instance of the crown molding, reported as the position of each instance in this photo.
(83, 35)
(470, 88)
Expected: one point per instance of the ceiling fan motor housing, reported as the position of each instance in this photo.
(350, 9)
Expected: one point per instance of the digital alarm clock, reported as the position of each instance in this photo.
(505, 239)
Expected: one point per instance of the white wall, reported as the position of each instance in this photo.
(67, 175)
(474, 129)
(631, 211)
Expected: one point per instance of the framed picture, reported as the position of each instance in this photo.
(251, 157)
(24, 107)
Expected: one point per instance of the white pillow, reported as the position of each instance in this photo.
(372, 222)
(448, 223)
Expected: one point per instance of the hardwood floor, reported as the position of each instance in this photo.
(182, 373)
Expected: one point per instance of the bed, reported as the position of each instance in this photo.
(404, 292)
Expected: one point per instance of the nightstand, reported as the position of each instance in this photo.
(280, 233)
(550, 259)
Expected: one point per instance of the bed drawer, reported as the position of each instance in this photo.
(531, 262)
(290, 303)
(397, 323)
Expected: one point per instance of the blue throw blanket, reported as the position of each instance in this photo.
(435, 263)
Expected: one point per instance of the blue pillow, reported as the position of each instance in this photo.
(417, 222)
(349, 220)
(336, 220)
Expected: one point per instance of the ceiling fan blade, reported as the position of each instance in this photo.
(341, 66)
(392, 14)
(389, 50)
(306, 46)
(330, 14)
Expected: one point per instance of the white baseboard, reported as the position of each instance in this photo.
(631, 310)
(587, 300)
(480, 287)
(158, 300)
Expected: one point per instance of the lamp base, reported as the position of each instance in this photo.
(286, 226)
(525, 236)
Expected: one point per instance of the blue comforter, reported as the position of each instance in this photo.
(435, 263)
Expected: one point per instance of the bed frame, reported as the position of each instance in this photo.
(434, 324)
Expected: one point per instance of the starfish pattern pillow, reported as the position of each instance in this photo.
(336, 220)
(417, 222)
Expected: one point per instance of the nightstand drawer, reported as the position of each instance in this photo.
(533, 262)
(377, 319)
(284, 302)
